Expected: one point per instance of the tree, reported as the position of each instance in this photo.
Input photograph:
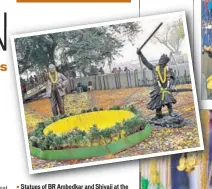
(172, 36)
(36, 52)
(78, 48)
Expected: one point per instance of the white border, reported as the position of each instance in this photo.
(117, 159)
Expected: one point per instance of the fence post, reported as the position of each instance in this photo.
(136, 78)
(108, 84)
(144, 77)
(100, 82)
(104, 82)
(119, 80)
(128, 78)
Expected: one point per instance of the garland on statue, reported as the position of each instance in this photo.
(162, 79)
(51, 78)
(164, 91)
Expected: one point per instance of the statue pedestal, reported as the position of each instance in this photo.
(175, 121)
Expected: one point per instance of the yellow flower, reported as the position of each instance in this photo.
(154, 174)
(182, 163)
(32, 120)
(48, 166)
(190, 162)
(103, 119)
(153, 166)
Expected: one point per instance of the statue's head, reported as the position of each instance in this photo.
(52, 68)
(164, 59)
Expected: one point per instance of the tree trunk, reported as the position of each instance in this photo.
(51, 53)
(84, 72)
(110, 67)
(51, 49)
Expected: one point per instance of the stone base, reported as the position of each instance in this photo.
(175, 121)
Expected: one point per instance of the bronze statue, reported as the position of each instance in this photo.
(56, 90)
(164, 80)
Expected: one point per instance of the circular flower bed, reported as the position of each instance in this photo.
(91, 133)
(102, 119)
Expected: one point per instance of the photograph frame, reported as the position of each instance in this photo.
(31, 171)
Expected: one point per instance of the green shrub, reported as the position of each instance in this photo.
(77, 137)
(118, 129)
(86, 140)
(48, 122)
(115, 107)
(95, 109)
(55, 118)
(63, 116)
(41, 143)
(133, 109)
(107, 134)
(34, 141)
(133, 125)
(94, 134)
(57, 142)
(38, 131)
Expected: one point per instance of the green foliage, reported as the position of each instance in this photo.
(57, 142)
(180, 29)
(107, 134)
(77, 137)
(133, 109)
(118, 129)
(133, 125)
(85, 141)
(65, 138)
(115, 108)
(128, 127)
(55, 118)
(172, 36)
(58, 117)
(85, 47)
(70, 114)
(63, 116)
(95, 109)
(38, 131)
(42, 143)
(48, 122)
(94, 133)
(34, 141)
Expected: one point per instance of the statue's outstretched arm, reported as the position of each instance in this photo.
(144, 60)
